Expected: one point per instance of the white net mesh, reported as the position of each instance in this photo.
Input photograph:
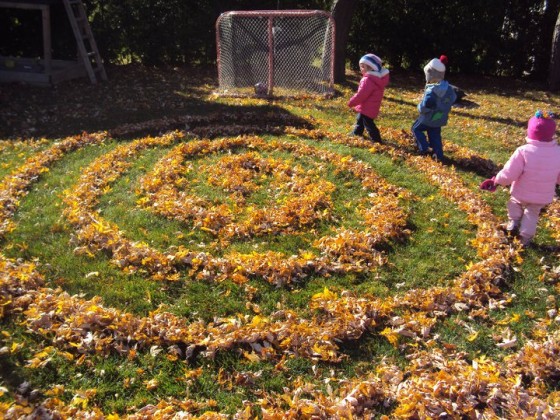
(275, 52)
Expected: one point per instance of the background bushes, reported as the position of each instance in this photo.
(502, 37)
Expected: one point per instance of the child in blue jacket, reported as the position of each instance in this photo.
(434, 109)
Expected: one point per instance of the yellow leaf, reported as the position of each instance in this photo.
(473, 336)
(66, 355)
(15, 347)
(325, 294)
(79, 401)
(151, 384)
(530, 314)
(515, 318)
(253, 357)
(308, 410)
(307, 255)
(390, 335)
(194, 373)
(259, 321)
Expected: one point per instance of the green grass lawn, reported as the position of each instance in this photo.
(167, 314)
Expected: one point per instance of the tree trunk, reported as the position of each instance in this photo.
(542, 46)
(342, 12)
(554, 69)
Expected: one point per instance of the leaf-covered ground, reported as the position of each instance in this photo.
(170, 253)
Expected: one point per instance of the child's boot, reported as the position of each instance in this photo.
(512, 227)
(525, 241)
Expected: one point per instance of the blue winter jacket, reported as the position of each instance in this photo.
(436, 104)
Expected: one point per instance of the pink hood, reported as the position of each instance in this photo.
(533, 172)
(367, 99)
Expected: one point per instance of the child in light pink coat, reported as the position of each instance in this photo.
(367, 100)
(533, 172)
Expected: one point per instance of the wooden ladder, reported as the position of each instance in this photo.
(87, 48)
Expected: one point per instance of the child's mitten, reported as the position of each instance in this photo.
(489, 185)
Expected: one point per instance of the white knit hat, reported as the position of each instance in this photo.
(436, 64)
(434, 70)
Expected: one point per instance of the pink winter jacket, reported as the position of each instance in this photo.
(533, 172)
(367, 99)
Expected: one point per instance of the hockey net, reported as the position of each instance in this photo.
(275, 52)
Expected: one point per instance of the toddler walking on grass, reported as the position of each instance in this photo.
(434, 109)
(533, 171)
(367, 100)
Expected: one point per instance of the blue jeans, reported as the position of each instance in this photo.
(434, 138)
(363, 121)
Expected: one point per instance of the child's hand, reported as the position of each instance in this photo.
(489, 185)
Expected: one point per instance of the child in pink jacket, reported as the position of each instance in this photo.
(533, 172)
(367, 100)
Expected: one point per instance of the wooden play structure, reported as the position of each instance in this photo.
(46, 70)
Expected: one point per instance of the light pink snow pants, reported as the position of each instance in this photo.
(525, 216)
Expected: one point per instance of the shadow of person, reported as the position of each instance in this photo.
(465, 103)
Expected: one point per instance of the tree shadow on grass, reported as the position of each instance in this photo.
(145, 100)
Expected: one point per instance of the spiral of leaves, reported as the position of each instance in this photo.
(347, 251)
(437, 381)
